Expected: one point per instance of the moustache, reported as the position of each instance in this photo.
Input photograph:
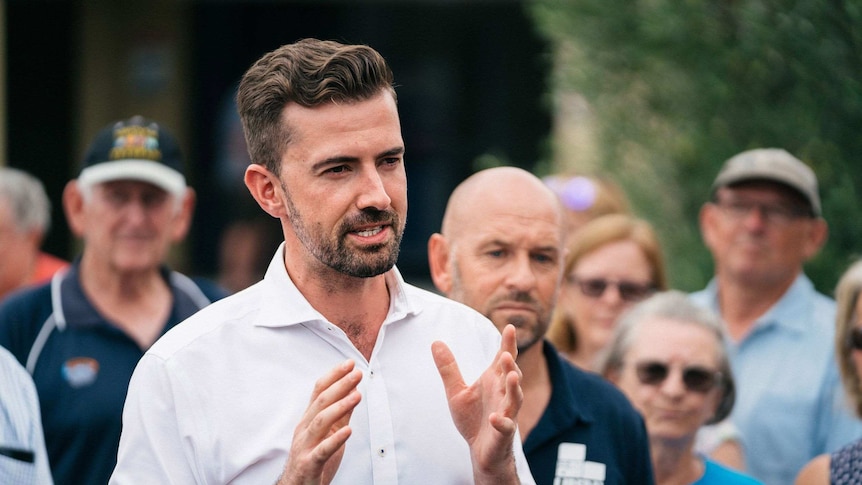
(370, 216)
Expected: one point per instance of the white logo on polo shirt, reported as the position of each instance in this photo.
(574, 469)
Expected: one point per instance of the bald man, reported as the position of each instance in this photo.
(500, 251)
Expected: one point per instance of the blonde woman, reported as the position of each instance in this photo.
(614, 262)
(844, 467)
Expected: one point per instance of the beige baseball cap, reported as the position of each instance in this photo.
(775, 165)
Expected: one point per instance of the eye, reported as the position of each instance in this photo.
(496, 253)
(545, 259)
(337, 169)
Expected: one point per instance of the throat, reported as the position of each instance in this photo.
(362, 334)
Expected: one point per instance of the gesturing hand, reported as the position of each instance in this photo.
(319, 438)
(485, 412)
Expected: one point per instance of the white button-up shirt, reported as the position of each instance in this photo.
(217, 399)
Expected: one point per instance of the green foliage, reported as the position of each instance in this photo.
(679, 86)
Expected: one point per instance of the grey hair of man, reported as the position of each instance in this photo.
(675, 306)
(25, 195)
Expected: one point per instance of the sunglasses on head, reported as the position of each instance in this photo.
(854, 338)
(695, 378)
(628, 290)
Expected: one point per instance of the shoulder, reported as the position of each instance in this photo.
(233, 309)
(815, 472)
(440, 318)
(596, 393)
(720, 474)
(22, 315)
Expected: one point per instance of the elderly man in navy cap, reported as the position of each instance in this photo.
(761, 226)
(81, 335)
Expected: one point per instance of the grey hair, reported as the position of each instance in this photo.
(676, 306)
(25, 194)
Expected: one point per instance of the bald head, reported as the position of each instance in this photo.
(509, 189)
(500, 250)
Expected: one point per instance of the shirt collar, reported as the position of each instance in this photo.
(282, 304)
(788, 312)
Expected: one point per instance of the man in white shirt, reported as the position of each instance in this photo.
(328, 370)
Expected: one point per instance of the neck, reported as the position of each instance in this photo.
(358, 306)
(583, 357)
(674, 463)
(536, 386)
(139, 303)
(741, 303)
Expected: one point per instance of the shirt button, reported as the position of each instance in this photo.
(381, 452)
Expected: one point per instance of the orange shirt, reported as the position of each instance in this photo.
(46, 266)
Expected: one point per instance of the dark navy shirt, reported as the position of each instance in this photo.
(589, 434)
(82, 364)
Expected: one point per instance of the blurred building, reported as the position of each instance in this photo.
(471, 78)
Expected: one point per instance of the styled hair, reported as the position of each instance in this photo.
(26, 197)
(310, 73)
(676, 306)
(846, 296)
(595, 234)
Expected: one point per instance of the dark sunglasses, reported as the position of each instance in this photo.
(628, 290)
(854, 338)
(696, 379)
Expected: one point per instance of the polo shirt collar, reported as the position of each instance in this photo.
(788, 312)
(77, 310)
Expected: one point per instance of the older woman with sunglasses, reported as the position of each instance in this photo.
(844, 467)
(613, 262)
(668, 356)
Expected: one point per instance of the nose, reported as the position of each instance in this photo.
(755, 218)
(611, 295)
(672, 385)
(373, 192)
(136, 210)
(521, 275)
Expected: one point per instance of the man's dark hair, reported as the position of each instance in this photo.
(310, 73)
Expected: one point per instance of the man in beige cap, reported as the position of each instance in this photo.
(761, 225)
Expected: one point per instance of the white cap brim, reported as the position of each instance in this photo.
(149, 171)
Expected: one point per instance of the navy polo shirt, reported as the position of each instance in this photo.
(589, 434)
(82, 365)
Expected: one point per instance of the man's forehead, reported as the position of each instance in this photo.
(763, 187)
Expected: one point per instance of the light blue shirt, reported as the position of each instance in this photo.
(23, 459)
(790, 406)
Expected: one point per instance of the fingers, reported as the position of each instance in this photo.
(509, 342)
(447, 367)
(324, 428)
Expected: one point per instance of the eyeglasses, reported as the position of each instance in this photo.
(778, 214)
(695, 378)
(628, 290)
(854, 338)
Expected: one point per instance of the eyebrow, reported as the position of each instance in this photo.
(399, 150)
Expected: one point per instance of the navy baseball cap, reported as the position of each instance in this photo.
(134, 149)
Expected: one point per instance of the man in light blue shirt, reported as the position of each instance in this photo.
(23, 459)
(761, 225)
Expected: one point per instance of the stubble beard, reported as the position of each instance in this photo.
(363, 262)
(528, 331)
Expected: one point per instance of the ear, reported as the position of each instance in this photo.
(185, 212)
(707, 220)
(73, 207)
(817, 236)
(266, 190)
(439, 263)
